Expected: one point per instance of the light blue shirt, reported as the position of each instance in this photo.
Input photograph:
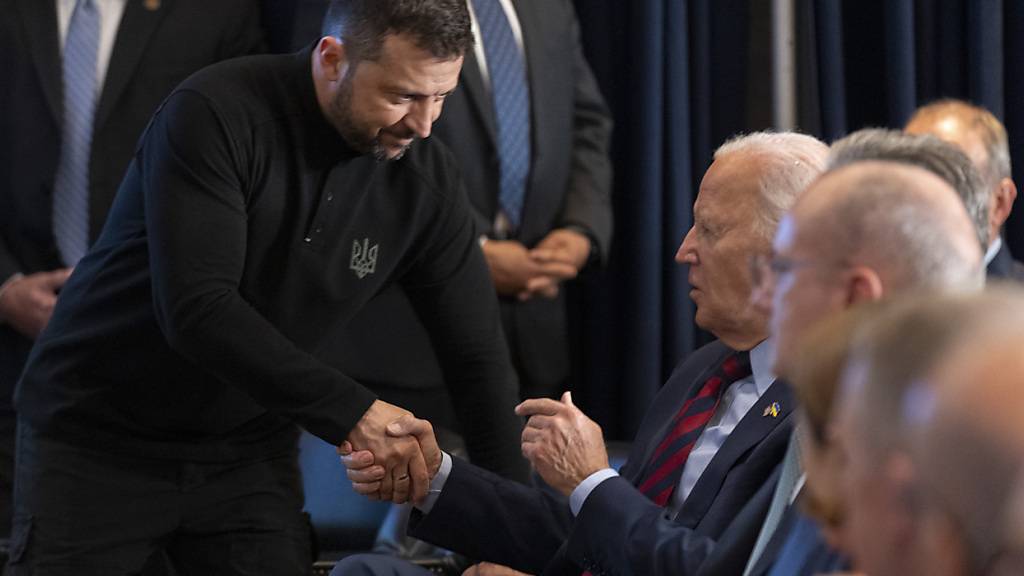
(736, 401)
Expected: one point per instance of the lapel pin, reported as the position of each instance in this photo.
(151, 5)
(772, 410)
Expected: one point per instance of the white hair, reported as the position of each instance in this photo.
(791, 162)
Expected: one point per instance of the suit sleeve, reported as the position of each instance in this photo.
(621, 531)
(452, 293)
(489, 518)
(588, 199)
(194, 178)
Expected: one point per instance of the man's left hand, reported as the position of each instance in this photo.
(564, 246)
(563, 445)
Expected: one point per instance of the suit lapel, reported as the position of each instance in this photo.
(689, 387)
(137, 24)
(751, 430)
(478, 94)
(40, 20)
(530, 25)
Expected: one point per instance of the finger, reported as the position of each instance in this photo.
(549, 292)
(471, 571)
(387, 486)
(545, 406)
(409, 425)
(369, 489)
(373, 474)
(524, 295)
(558, 269)
(401, 484)
(357, 460)
(423, 431)
(532, 435)
(419, 478)
(57, 278)
(345, 448)
(541, 422)
(540, 283)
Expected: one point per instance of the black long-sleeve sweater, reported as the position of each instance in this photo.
(244, 229)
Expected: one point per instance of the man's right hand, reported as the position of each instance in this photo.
(27, 302)
(402, 459)
(367, 477)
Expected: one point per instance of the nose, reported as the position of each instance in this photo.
(421, 117)
(687, 254)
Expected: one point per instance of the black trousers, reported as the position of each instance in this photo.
(81, 511)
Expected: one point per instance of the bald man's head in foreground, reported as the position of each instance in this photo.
(966, 425)
(859, 233)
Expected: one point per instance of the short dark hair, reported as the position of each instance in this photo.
(441, 27)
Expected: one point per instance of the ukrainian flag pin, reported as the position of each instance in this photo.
(772, 410)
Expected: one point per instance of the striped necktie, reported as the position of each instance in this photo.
(71, 187)
(511, 99)
(666, 464)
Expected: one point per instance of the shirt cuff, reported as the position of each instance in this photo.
(579, 495)
(437, 484)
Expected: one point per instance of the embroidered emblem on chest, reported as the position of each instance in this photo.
(364, 258)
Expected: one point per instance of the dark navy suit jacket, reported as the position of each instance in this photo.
(1004, 267)
(619, 530)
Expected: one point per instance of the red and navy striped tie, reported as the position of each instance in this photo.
(666, 464)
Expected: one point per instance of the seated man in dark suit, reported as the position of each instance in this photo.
(983, 138)
(714, 435)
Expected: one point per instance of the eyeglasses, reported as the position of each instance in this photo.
(765, 269)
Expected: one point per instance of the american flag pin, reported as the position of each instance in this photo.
(772, 410)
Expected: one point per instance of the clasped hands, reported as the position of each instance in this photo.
(562, 443)
(391, 455)
(523, 274)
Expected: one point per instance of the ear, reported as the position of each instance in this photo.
(1002, 204)
(902, 494)
(332, 58)
(862, 285)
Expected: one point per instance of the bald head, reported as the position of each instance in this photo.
(887, 391)
(982, 137)
(973, 419)
(903, 222)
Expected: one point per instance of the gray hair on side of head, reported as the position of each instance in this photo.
(791, 162)
(929, 152)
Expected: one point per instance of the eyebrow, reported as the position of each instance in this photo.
(395, 89)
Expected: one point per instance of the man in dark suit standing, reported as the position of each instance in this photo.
(715, 434)
(983, 138)
(81, 79)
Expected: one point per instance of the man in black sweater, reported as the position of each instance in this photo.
(269, 199)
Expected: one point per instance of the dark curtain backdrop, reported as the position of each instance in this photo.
(683, 75)
(875, 61)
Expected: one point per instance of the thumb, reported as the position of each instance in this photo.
(567, 398)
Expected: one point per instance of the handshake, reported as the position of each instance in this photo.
(392, 455)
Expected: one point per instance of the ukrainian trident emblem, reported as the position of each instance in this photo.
(364, 258)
